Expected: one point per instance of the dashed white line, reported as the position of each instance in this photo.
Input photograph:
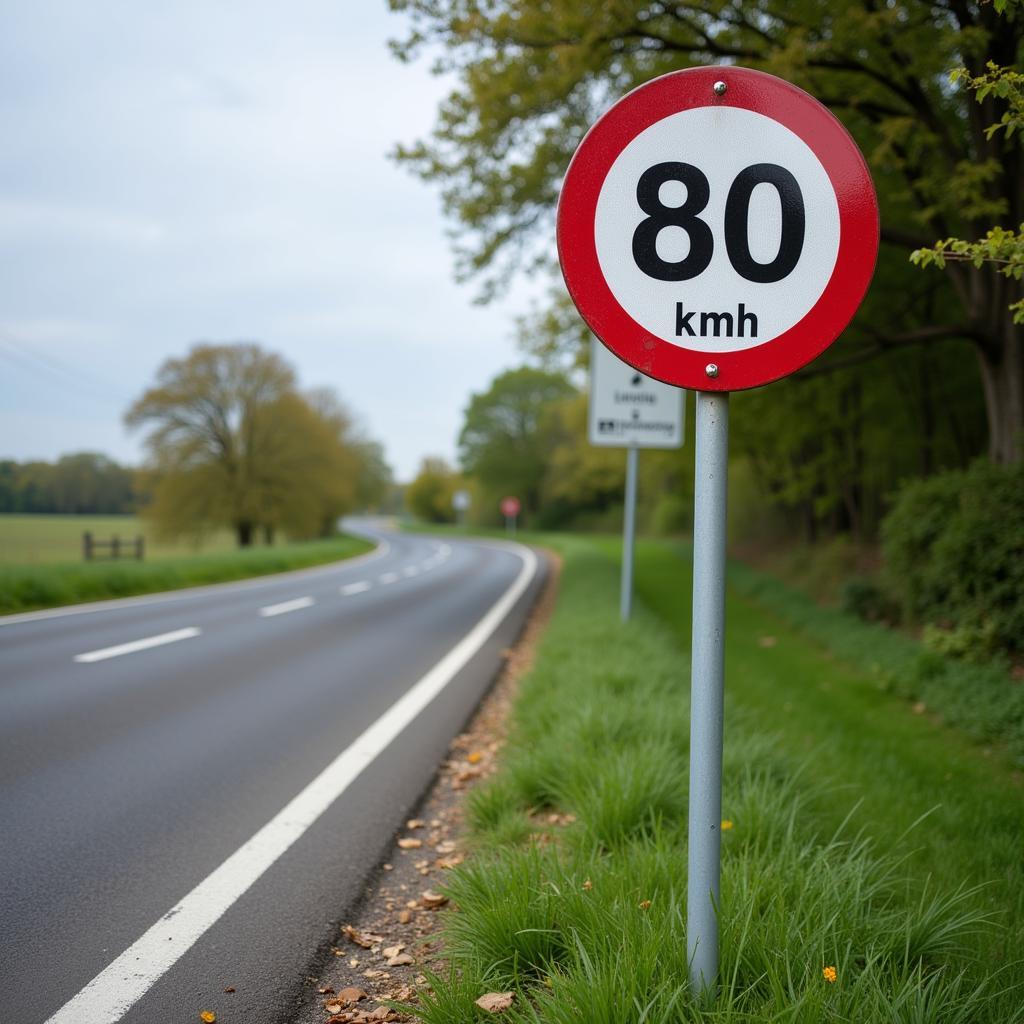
(410, 571)
(387, 577)
(117, 987)
(138, 645)
(355, 588)
(286, 606)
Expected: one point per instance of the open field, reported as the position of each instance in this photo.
(863, 836)
(25, 587)
(42, 539)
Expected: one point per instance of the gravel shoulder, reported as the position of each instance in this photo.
(387, 940)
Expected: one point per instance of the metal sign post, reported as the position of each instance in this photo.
(717, 230)
(628, 532)
(707, 688)
(629, 410)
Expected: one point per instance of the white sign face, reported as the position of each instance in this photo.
(627, 408)
(717, 229)
(461, 501)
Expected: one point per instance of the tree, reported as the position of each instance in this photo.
(501, 442)
(533, 77)
(429, 496)
(234, 443)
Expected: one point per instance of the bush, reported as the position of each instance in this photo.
(954, 552)
(868, 601)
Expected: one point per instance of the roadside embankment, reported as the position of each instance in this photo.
(871, 866)
(29, 587)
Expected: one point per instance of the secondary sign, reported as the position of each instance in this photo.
(627, 408)
(717, 228)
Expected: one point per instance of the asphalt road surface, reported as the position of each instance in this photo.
(195, 785)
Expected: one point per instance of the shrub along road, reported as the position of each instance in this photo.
(871, 856)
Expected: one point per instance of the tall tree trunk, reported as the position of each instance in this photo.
(1002, 376)
(244, 531)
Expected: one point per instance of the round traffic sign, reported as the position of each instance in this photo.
(510, 507)
(717, 228)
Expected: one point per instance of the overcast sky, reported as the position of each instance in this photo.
(217, 171)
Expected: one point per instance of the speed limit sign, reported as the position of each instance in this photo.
(717, 228)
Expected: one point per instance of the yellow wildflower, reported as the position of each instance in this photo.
(726, 824)
(829, 974)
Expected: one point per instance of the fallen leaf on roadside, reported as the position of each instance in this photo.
(410, 844)
(433, 899)
(364, 939)
(588, 885)
(208, 1016)
(400, 960)
(333, 1007)
(495, 1002)
(415, 823)
(404, 916)
(390, 951)
(352, 995)
(475, 757)
(230, 988)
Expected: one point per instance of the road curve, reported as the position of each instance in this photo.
(171, 769)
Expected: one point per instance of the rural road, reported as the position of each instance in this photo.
(194, 786)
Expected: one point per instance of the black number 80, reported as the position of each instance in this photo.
(737, 212)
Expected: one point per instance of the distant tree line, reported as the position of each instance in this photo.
(86, 483)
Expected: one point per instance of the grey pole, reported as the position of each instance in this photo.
(628, 532)
(707, 689)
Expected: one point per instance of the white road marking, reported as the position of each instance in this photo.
(118, 987)
(138, 645)
(388, 577)
(355, 588)
(410, 571)
(286, 606)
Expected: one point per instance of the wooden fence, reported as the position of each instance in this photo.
(95, 550)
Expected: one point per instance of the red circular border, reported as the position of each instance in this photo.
(858, 227)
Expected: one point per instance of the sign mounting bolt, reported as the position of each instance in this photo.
(720, 88)
(711, 370)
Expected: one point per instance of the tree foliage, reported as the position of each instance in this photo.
(504, 439)
(233, 442)
(429, 495)
(531, 78)
(82, 483)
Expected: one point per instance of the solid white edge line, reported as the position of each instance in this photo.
(286, 606)
(138, 645)
(118, 987)
(383, 548)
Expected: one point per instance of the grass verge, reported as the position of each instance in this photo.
(28, 587)
(575, 899)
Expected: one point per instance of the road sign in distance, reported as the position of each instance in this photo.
(628, 408)
(461, 501)
(510, 507)
(717, 228)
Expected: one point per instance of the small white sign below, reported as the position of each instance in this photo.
(627, 408)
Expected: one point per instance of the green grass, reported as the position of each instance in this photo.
(27, 587)
(864, 837)
(44, 539)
